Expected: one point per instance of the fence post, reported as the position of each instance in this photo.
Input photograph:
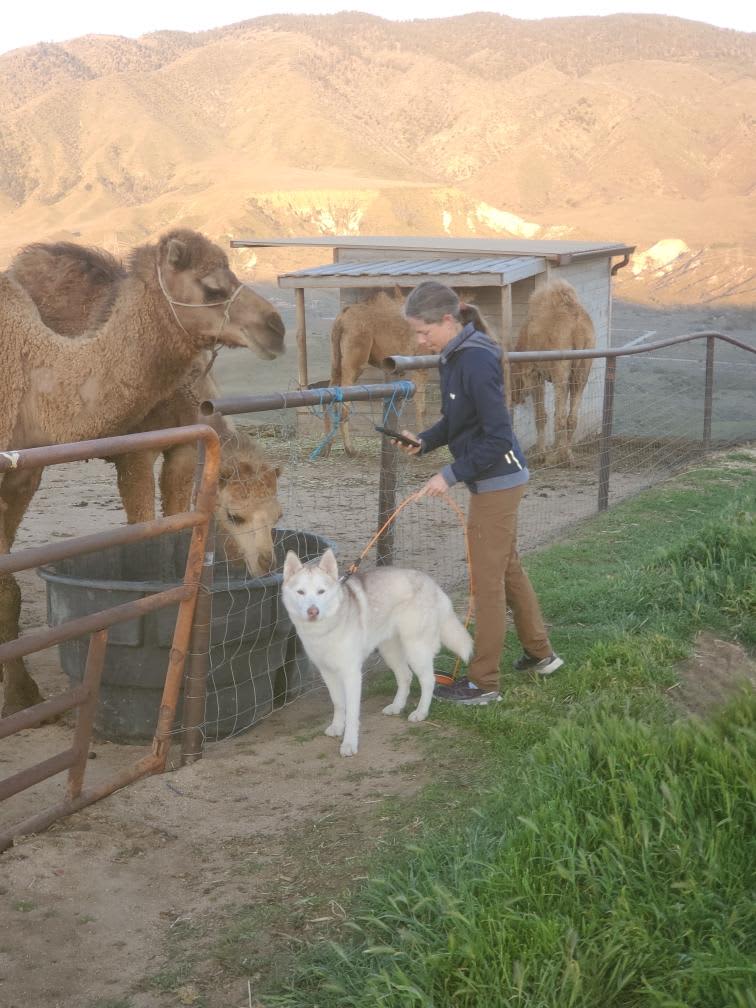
(198, 659)
(607, 416)
(708, 390)
(301, 337)
(98, 642)
(386, 498)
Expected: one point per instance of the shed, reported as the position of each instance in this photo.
(498, 275)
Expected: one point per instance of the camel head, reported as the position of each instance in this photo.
(248, 507)
(208, 300)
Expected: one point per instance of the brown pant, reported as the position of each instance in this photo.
(498, 579)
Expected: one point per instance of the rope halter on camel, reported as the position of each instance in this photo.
(204, 304)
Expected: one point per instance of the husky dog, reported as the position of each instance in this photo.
(403, 613)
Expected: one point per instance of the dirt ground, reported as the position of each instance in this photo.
(88, 908)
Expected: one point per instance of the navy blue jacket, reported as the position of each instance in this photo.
(475, 421)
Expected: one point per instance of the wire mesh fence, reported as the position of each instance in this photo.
(658, 426)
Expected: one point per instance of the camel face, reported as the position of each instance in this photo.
(211, 303)
(248, 508)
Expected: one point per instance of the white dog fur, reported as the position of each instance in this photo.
(403, 613)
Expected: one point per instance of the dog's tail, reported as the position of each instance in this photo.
(454, 636)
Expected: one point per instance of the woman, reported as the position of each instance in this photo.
(476, 426)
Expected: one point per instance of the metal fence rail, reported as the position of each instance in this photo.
(399, 365)
(84, 697)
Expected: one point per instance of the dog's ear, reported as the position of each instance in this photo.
(328, 564)
(292, 564)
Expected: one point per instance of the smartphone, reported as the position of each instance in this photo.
(396, 436)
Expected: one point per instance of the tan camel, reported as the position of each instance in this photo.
(366, 333)
(57, 390)
(555, 321)
(248, 507)
(74, 288)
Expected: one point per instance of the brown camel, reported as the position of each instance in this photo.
(555, 321)
(58, 390)
(74, 288)
(366, 333)
(248, 507)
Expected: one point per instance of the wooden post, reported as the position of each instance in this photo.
(507, 341)
(607, 416)
(708, 390)
(386, 499)
(301, 337)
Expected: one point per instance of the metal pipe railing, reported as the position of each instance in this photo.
(305, 397)
(398, 363)
(84, 697)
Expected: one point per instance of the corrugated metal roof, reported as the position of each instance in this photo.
(497, 271)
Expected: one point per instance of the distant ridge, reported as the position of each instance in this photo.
(629, 128)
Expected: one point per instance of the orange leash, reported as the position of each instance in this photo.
(441, 678)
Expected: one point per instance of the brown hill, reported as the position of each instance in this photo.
(631, 128)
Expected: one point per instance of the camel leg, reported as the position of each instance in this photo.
(177, 478)
(561, 443)
(539, 409)
(136, 485)
(578, 382)
(325, 451)
(16, 492)
(349, 376)
(20, 690)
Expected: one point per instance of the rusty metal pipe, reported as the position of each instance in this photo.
(38, 556)
(206, 497)
(86, 694)
(85, 720)
(30, 717)
(34, 774)
(41, 639)
(37, 823)
(80, 451)
(195, 688)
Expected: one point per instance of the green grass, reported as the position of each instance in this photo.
(601, 853)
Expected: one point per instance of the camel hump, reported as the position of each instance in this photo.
(100, 267)
(555, 296)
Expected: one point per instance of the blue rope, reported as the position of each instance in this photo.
(402, 388)
(335, 414)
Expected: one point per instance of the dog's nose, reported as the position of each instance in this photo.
(313, 611)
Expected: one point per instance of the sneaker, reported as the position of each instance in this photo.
(541, 666)
(467, 693)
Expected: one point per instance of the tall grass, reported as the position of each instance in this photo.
(616, 869)
(610, 864)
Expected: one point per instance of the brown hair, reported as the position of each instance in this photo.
(431, 300)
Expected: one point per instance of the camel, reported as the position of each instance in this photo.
(555, 321)
(366, 333)
(57, 390)
(74, 288)
(248, 507)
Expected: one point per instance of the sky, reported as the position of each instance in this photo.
(55, 21)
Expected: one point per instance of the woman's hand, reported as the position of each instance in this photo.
(409, 449)
(435, 487)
